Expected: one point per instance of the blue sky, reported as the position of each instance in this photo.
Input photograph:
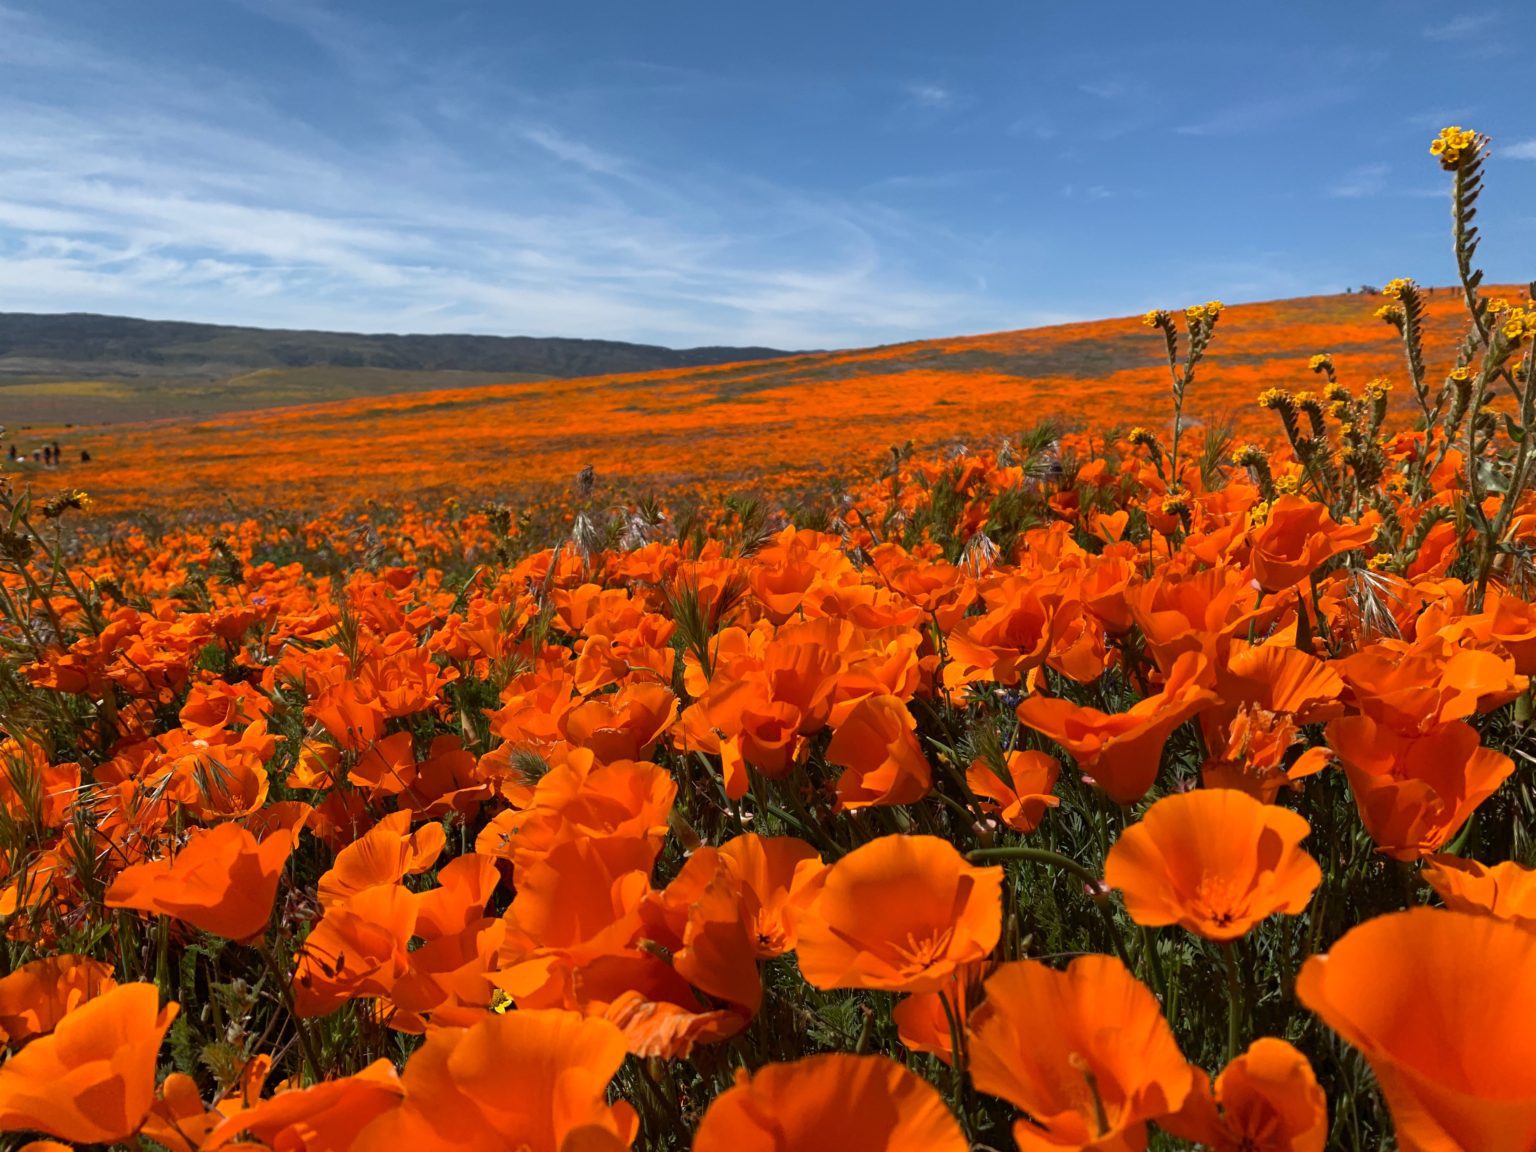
(797, 174)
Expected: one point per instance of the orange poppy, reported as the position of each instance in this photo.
(1415, 687)
(1505, 890)
(35, 997)
(832, 1103)
(223, 881)
(1084, 1053)
(620, 802)
(780, 878)
(1216, 861)
(359, 948)
(881, 758)
(1415, 791)
(1266, 1100)
(1298, 536)
(623, 726)
(926, 1021)
(700, 919)
(900, 913)
(1021, 794)
(456, 1093)
(385, 854)
(91, 1080)
(325, 1117)
(1439, 1003)
(1121, 752)
(1251, 755)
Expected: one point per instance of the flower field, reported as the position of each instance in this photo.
(780, 425)
(1157, 780)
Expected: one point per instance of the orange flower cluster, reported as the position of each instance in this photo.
(1062, 795)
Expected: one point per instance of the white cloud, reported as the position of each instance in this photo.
(1524, 150)
(1465, 27)
(931, 96)
(1103, 89)
(1362, 181)
(194, 197)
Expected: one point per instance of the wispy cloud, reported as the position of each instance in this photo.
(142, 201)
(1104, 89)
(930, 95)
(1364, 180)
(1265, 114)
(1524, 150)
(1467, 26)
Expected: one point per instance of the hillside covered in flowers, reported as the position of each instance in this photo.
(1138, 753)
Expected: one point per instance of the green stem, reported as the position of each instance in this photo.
(1066, 864)
(1234, 1000)
(285, 991)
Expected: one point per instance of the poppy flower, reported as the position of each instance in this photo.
(620, 802)
(1439, 1003)
(1415, 687)
(1021, 794)
(1085, 1053)
(385, 854)
(1298, 536)
(35, 997)
(1414, 792)
(780, 878)
(359, 949)
(882, 760)
(1505, 890)
(832, 1103)
(1216, 861)
(700, 919)
(1121, 752)
(92, 1079)
(1266, 1100)
(900, 913)
(222, 881)
(321, 1118)
(455, 1090)
(624, 725)
(925, 1021)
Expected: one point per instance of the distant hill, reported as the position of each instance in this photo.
(83, 368)
(759, 427)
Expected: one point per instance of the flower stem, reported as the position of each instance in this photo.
(1067, 864)
(1234, 1000)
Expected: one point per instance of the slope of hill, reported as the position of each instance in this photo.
(755, 426)
(84, 368)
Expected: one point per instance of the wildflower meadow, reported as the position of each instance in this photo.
(1156, 775)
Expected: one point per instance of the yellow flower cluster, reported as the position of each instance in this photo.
(1518, 324)
(1322, 362)
(1380, 561)
(1287, 485)
(1198, 313)
(1377, 388)
(1272, 398)
(1461, 375)
(1155, 318)
(1248, 455)
(1391, 313)
(1395, 288)
(1452, 144)
(1176, 504)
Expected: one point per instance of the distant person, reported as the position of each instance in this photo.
(47, 456)
(56, 452)
(13, 451)
(85, 457)
(37, 456)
